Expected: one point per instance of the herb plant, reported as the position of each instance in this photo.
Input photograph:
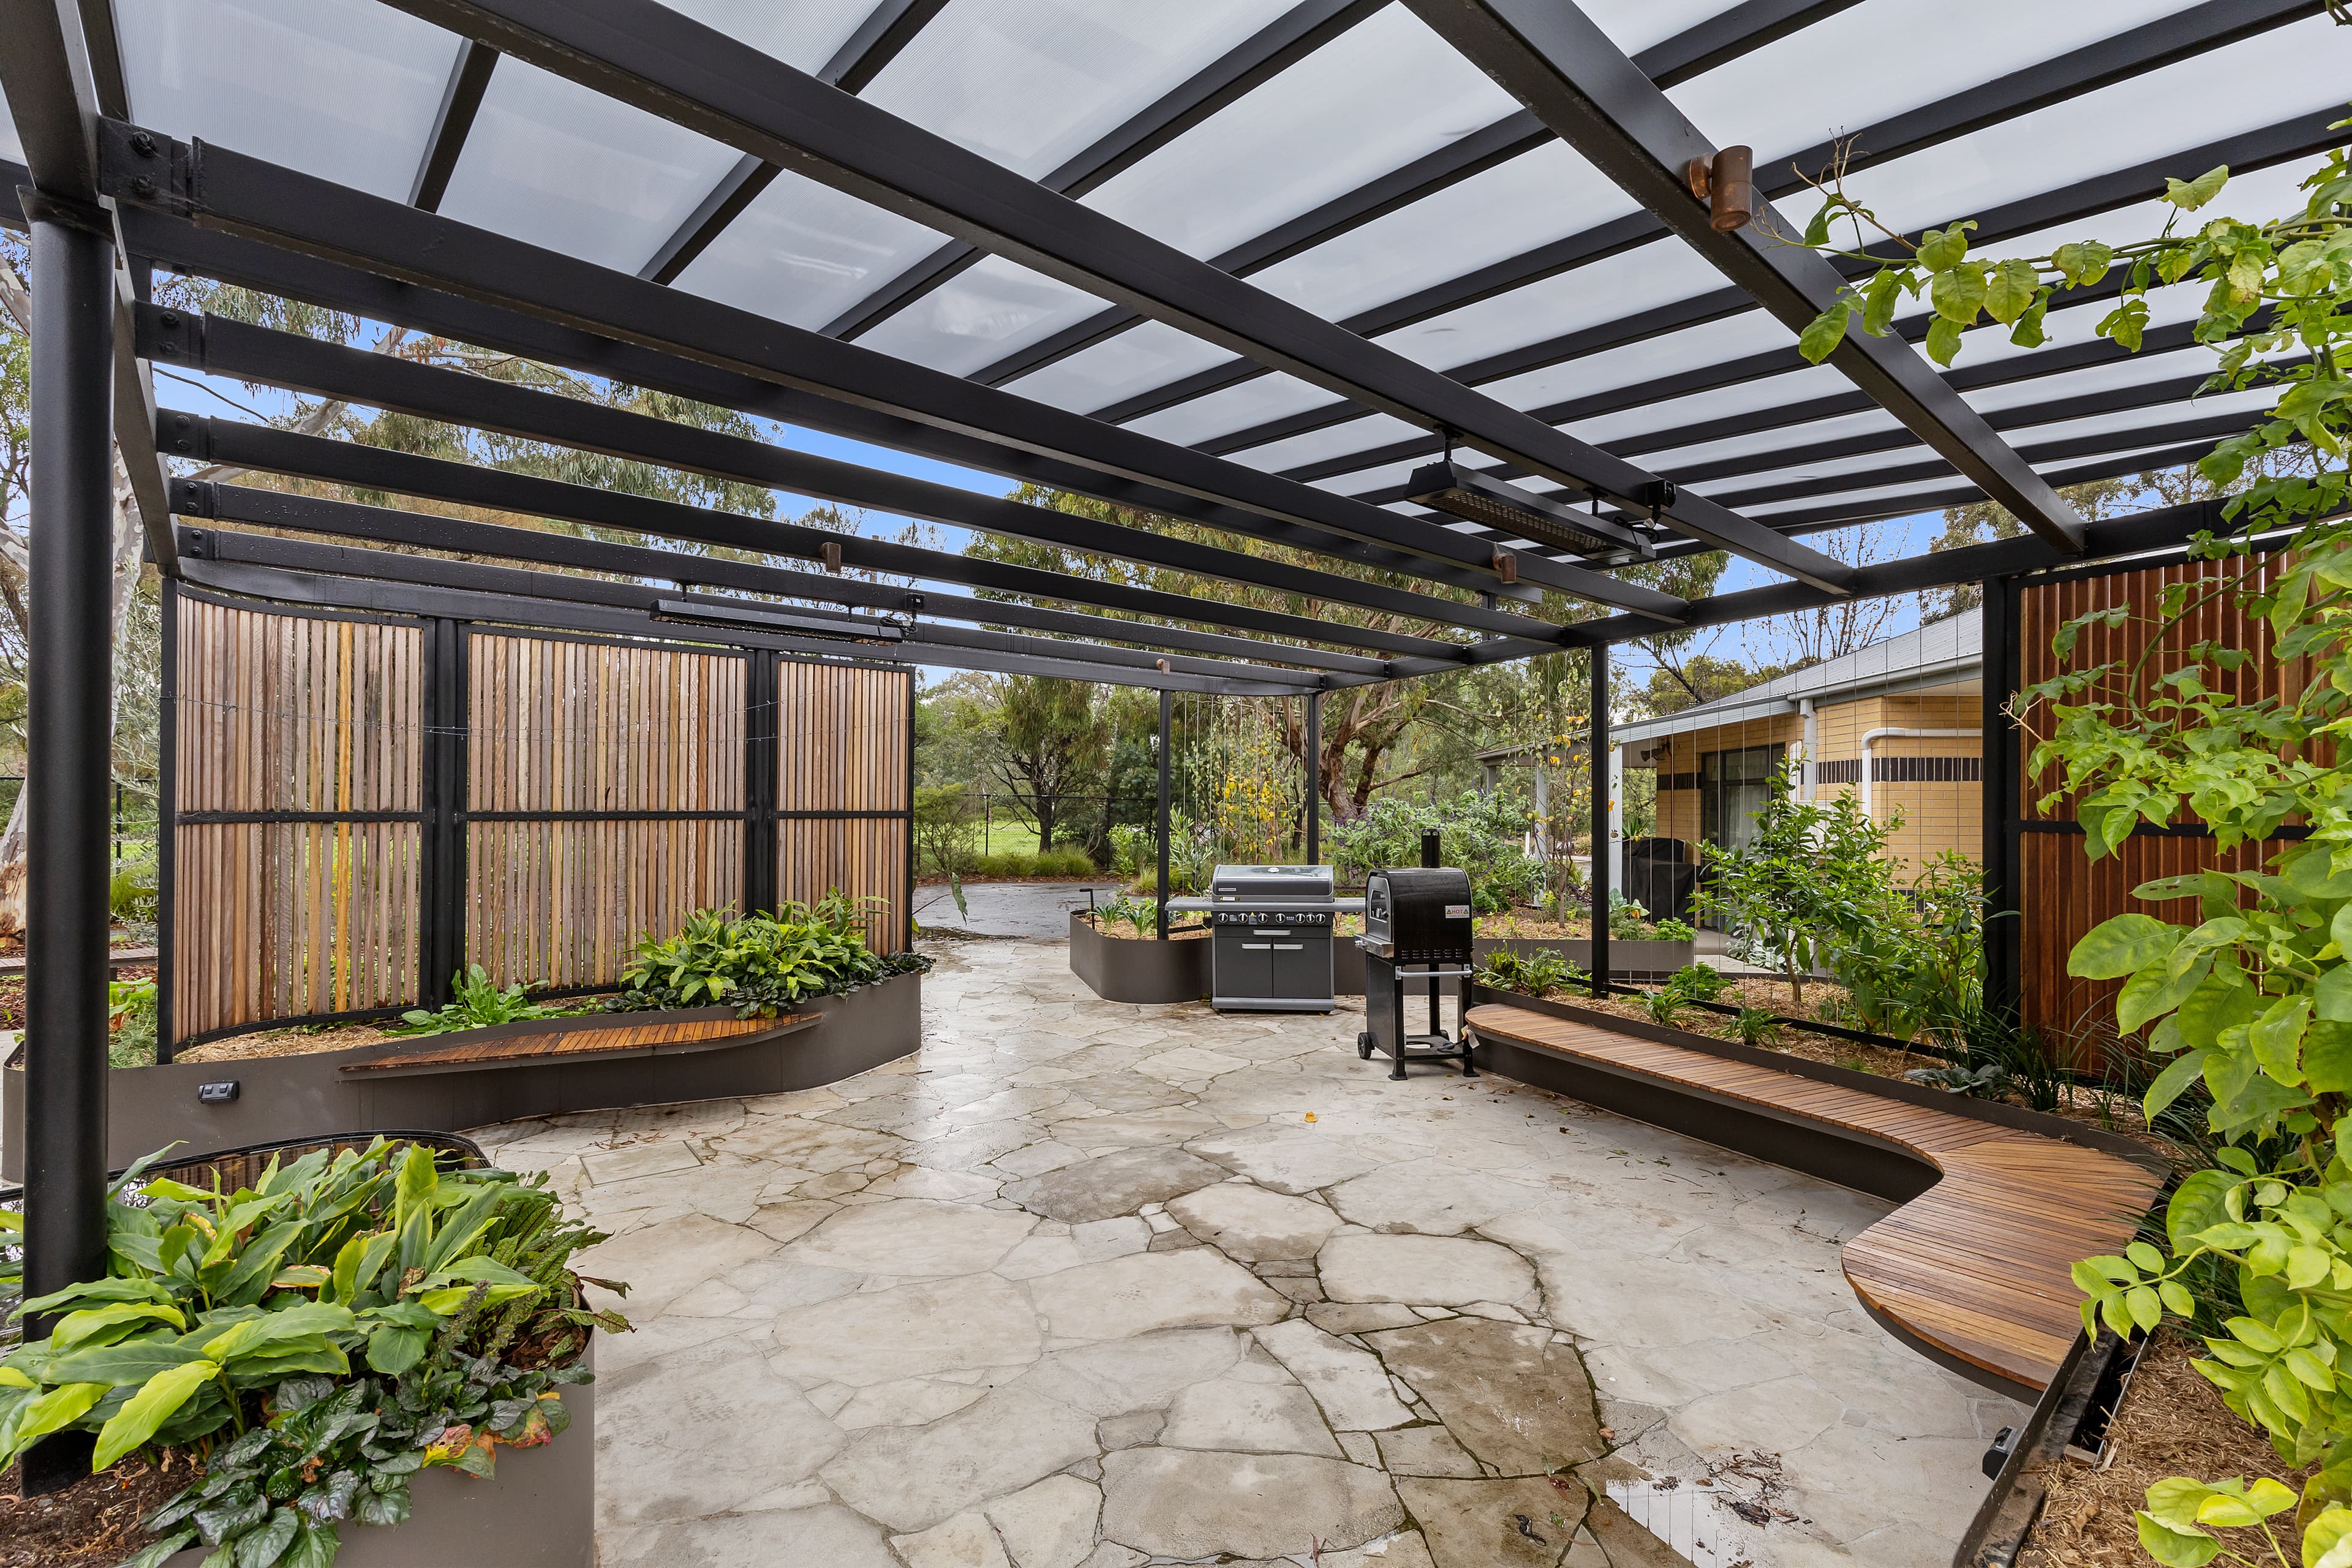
(233, 1319)
(1141, 913)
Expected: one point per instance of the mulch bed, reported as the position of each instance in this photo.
(94, 1523)
(2172, 1423)
(1126, 932)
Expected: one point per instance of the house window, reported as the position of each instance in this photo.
(1732, 787)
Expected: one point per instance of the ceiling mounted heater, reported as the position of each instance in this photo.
(858, 628)
(1448, 487)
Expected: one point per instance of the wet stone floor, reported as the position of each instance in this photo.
(1083, 1285)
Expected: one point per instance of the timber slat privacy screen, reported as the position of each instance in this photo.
(610, 789)
(2062, 893)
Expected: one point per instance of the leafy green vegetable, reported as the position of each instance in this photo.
(761, 965)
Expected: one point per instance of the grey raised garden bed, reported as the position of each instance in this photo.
(1124, 969)
(537, 1509)
(1627, 959)
(312, 1096)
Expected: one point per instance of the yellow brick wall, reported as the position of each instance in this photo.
(1936, 816)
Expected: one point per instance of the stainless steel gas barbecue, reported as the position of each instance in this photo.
(1270, 935)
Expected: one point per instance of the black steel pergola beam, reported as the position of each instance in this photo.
(1698, 49)
(643, 53)
(247, 195)
(461, 100)
(2202, 27)
(429, 531)
(1272, 48)
(270, 450)
(532, 612)
(887, 31)
(250, 263)
(298, 364)
(946, 643)
(1554, 60)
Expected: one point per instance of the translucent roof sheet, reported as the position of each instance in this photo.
(805, 34)
(804, 253)
(557, 165)
(345, 89)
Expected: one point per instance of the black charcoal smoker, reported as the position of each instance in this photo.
(1417, 929)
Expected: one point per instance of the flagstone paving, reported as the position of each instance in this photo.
(1083, 1285)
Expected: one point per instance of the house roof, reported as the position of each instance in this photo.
(1937, 653)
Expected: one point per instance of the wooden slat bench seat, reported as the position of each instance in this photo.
(584, 1042)
(1976, 1269)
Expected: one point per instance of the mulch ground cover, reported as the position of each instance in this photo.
(94, 1523)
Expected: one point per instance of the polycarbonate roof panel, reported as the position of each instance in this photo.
(1885, 57)
(1269, 396)
(555, 163)
(988, 310)
(1031, 83)
(1114, 369)
(1379, 96)
(2292, 71)
(804, 253)
(344, 89)
(803, 33)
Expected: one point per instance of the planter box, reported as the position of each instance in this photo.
(310, 1095)
(1627, 959)
(1176, 971)
(1124, 969)
(537, 1509)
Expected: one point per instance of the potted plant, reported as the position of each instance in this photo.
(317, 1342)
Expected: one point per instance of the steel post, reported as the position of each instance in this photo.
(69, 747)
(1601, 879)
(1167, 712)
(1314, 778)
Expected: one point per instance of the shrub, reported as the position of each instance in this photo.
(1674, 930)
(131, 1020)
(947, 829)
(233, 1321)
(1628, 922)
(477, 1003)
(1481, 834)
(1537, 974)
(1066, 863)
(1135, 850)
(1698, 981)
(131, 890)
(761, 965)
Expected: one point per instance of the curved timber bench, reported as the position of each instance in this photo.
(1973, 1269)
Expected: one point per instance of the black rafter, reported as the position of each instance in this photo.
(888, 30)
(1288, 39)
(429, 531)
(250, 263)
(461, 100)
(643, 53)
(2196, 30)
(271, 450)
(1719, 38)
(298, 364)
(299, 211)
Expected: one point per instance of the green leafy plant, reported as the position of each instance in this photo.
(2248, 993)
(1143, 914)
(1811, 869)
(1628, 922)
(476, 1003)
(131, 890)
(234, 1320)
(1672, 930)
(1482, 833)
(1664, 1005)
(1537, 974)
(1757, 1026)
(946, 827)
(1989, 1082)
(761, 965)
(1698, 981)
(131, 1020)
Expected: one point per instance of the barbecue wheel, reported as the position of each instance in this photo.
(1364, 1044)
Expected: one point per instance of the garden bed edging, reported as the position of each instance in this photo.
(308, 1096)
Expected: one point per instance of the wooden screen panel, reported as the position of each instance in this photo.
(2044, 607)
(284, 920)
(282, 713)
(864, 857)
(288, 712)
(842, 738)
(564, 725)
(565, 903)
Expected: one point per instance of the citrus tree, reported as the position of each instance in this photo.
(2245, 992)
